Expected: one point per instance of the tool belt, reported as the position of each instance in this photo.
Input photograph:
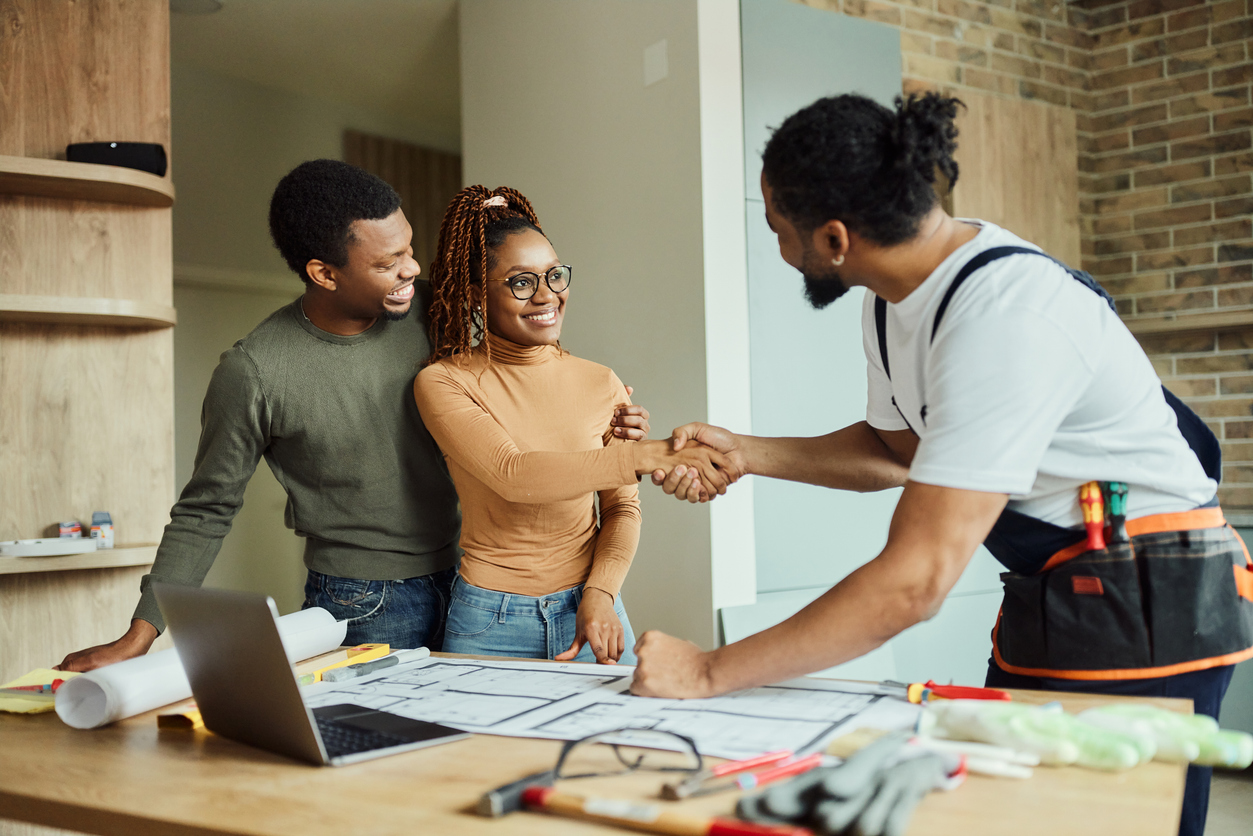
(1177, 597)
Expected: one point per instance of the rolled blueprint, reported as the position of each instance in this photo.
(125, 689)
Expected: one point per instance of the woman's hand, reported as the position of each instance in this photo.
(630, 421)
(715, 470)
(598, 625)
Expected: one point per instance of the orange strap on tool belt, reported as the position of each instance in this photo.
(1178, 597)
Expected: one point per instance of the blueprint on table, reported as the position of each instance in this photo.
(571, 701)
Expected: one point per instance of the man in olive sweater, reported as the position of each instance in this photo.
(322, 389)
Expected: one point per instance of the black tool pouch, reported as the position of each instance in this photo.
(1167, 600)
(1086, 614)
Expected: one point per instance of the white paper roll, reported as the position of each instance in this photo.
(125, 689)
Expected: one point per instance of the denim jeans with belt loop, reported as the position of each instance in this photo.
(490, 623)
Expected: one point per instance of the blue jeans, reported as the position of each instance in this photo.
(489, 623)
(403, 613)
(1205, 688)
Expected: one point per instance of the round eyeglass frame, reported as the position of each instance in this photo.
(686, 744)
(548, 280)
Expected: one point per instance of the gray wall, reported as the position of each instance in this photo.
(613, 168)
(809, 367)
(231, 142)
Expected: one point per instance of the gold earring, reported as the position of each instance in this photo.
(838, 260)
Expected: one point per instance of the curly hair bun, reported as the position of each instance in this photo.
(925, 136)
(851, 159)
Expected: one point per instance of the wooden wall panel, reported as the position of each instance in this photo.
(82, 71)
(88, 426)
(1019, 169)
(49, 614)
(426, 179)
(83, 248)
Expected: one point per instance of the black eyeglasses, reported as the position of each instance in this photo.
(649, 749)
(524, 285)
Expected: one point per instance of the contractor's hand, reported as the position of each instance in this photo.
(134, 643)
(683, 483)
(714, 469)
(597, 625)
(630, 421)
(670, 667)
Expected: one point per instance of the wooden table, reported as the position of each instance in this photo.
(130, 779)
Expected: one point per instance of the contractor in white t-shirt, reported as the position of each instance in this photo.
(1031, 386)
(1000, 383)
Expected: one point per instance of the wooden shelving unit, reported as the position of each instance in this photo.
(86, 305)
(1191, 323)
(83, 181)
(77, 310)
(103, 559)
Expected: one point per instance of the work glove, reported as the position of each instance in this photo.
(873, 793)
(1056, 737)
(1178, 738)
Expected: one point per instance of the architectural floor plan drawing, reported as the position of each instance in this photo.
(571, 701)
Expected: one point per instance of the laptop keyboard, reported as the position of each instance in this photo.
(342, 739)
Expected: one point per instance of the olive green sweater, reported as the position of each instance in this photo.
(334, 418)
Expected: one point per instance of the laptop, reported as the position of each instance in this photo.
(246, 688)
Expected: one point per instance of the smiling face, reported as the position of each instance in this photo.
(378, 278)
(534, 321)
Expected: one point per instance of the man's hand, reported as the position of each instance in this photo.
(684, 483)
(598, 625)
(715, 470)
(670, 667)
(630, 421)
(134, 643)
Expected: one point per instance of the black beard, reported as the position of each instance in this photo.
(821, 291)
(396, 317)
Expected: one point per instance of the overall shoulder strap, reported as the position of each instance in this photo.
(1195, 432)
(881, 330)
(980, 260)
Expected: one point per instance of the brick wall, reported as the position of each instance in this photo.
(1166, 151)
(1161, 91)
(1026, 48)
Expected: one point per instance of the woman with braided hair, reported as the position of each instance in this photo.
(524, 427)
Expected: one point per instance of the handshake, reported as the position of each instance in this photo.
(697, 463)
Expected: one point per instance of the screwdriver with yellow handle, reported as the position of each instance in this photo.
(1093, 514)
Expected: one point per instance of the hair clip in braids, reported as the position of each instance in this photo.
(498, 200)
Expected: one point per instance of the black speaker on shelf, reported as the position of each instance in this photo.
(145, 156)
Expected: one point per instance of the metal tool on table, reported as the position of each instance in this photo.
(508, 798)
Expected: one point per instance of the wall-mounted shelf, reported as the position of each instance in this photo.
(83, 181)
(1191, 323)
(102, 559)
(70, 310)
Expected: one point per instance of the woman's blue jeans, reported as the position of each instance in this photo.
(489, 623)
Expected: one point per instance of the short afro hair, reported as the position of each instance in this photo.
(849, 158)
(314, 206)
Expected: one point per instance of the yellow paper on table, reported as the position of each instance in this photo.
(35, 703)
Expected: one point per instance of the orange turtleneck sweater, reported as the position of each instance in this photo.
(529, 447)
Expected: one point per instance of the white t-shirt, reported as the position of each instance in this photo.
(1032, 387)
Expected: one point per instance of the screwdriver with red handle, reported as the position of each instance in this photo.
(920, 692)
